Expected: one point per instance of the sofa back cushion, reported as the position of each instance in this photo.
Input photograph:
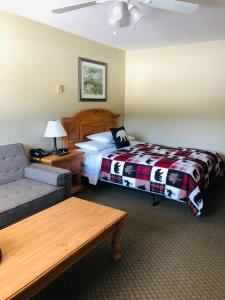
(13, 160)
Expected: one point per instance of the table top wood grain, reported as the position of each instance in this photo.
(51, 159)
(34, 246)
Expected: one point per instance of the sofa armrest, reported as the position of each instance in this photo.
(50, 175)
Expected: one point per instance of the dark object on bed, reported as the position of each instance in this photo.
(120, 138)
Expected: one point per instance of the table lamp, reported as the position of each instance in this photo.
(53, 130)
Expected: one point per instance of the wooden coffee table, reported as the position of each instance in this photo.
(38, 249)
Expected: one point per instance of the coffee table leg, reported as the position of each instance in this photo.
(116, 242)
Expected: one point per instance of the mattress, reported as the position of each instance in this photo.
(91, 163)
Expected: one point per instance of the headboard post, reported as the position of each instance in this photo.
(87, 122)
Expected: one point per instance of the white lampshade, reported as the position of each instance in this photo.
(54, 129)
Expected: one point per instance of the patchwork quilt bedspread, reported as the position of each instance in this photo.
(176, 173)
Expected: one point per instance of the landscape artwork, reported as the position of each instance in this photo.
(92, 80)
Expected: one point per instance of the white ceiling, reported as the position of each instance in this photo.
(157, 28)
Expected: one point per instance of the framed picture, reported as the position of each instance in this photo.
(92, 78)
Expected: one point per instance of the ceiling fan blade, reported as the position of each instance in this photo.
(173, 5)
(74, 7)
(102, 1)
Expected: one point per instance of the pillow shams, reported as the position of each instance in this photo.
(102, 137)
(93, 146)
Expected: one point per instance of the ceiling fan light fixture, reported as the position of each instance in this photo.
(130, 6)
(119, 15)
(123, 13)
(123, 22)
(146, 1)
(117, 9)
(135, 15)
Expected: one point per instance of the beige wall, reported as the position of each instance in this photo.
(176, 95)
(33, 59)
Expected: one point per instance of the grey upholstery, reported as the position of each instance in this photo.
(26, 209)
(21, 191)
(49, 175)
(24, 189)
(12, 163)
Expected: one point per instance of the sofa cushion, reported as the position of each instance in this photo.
(47, 174)
(12, 161)
(16, 193)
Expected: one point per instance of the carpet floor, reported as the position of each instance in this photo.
(167, 253)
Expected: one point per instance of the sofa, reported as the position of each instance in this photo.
(28, 188)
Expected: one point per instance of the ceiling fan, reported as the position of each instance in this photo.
(123, 13)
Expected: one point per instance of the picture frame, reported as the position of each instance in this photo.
(92, 80)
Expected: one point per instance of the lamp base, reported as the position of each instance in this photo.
(55, 150)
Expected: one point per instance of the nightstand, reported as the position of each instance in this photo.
(71, 161)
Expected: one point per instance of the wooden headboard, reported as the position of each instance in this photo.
(87, 122)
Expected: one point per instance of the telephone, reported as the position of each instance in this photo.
(39, 153)
(62, 151)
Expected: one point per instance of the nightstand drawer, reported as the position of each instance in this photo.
(70, 164)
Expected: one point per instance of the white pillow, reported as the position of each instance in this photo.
(131, 138)
(93, 145)
(102, 137)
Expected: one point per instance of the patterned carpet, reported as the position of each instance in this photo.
(167, 253)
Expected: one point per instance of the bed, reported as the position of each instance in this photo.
(177, 173)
